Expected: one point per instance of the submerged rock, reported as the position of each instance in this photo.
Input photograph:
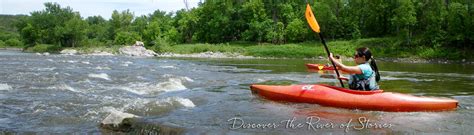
(136, 51)
(132, 124)
(117, 120)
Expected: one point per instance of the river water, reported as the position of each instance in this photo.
(74, 94)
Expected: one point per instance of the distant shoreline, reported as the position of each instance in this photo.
(220, 55)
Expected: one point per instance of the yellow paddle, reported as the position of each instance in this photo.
(315, 27)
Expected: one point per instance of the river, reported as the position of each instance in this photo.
(74, 93)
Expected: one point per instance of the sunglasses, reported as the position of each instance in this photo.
(357, 55)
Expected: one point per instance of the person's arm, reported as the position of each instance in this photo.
(348, 69)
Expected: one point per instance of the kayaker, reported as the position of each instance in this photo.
(365, 75)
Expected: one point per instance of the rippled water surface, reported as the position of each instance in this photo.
(64, 94)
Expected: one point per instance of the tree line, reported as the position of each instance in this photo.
(429, 23)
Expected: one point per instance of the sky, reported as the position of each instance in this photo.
(103, 8)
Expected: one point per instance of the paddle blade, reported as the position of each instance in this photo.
(311, 19)
(320, 67)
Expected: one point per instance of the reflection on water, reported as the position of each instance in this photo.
(63, 94)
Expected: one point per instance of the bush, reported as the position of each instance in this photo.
(284, 51)
(2, 44)
(93, 43)
(5, 35)
(160, 46)
(14, 42)
(173, 36)
(296, 30)
(126, 38)
(44, 48)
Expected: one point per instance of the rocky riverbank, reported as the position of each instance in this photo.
(138, 51)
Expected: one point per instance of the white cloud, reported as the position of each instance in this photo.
(96, 7)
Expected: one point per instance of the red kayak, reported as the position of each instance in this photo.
(345, 98)
(319, 67)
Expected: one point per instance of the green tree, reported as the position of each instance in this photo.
(159, 26)
(458, 24)
(120, 22)
(216, 21)
(296, 30)
(139, 25)
(259, 25)
(276, 34)
(152, 32)
(186, 23)
(404, 19)
(98, 28)
(48, 26)
(431, 18)
(73, 32)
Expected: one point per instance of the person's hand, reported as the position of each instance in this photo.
(331, 56)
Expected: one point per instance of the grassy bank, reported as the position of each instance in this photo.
(381, 47)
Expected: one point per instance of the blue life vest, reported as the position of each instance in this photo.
(364, 81)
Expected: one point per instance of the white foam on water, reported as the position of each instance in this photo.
(183, 78)
(126, 63)
(101, 76)
(136, 91)
(168, 67)
(167, 75)
(102, 68)
(5, 120)
(173, 84)
(4, 86)
(183, 101)
(141, 77)
(85, 62)
(67, 87)
(259, 80)
(147, 106)
(187, 79)
(173, 102)
(38, 111)
(63, 87)
(46, 69)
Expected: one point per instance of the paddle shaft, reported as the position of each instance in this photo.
(332, 62)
